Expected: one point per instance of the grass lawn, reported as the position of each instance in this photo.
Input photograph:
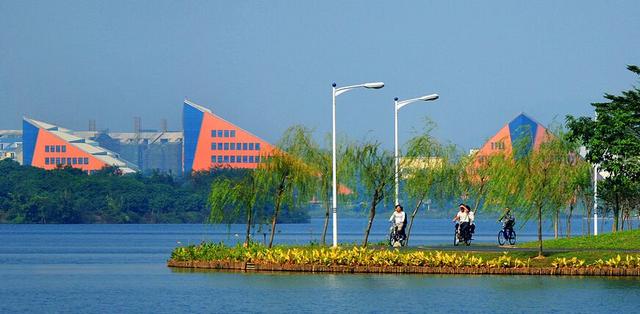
(624, 240)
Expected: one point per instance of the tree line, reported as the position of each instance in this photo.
(68, 195)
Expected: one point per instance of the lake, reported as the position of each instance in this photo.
(121, 268)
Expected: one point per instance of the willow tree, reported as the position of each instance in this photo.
(284, 176)
(231, 196)
(375, 172)
(428, 171)
(541, 173)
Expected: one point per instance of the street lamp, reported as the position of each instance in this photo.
(397, 106)
(337, 91)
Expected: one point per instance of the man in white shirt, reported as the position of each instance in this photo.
(399, 219)
(461, 217)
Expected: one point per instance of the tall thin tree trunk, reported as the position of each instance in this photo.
(275, 214)
(413, 215)
(571, 205)
(247, 237)
(326, 222)
(540, 231)
(616, 213)
(556, 222)
(372, 214)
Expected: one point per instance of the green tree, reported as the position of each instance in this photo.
(613, 143)
(286, 176)
(375, 171)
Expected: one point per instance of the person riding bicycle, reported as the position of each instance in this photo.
(507, 220)
(462, 217)
(399, 220)
(472, 218)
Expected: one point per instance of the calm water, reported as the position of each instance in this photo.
(121, 268)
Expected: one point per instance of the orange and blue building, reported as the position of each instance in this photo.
(211, 141)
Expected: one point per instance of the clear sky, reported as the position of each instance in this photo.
(266, 65)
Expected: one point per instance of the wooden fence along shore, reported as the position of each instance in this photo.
(536, 271)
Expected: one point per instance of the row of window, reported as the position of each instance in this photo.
(55, 148)
(235, 159)
(223, 133)
(235, 146)
(497, 145)
(66, 161)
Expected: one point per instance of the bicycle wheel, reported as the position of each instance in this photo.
(391, 238)
(512, 238)
(455, 239)
(501, 238)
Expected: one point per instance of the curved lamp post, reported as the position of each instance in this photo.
(399, 104)
(337, 91)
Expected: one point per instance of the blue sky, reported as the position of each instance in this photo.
(266, 65)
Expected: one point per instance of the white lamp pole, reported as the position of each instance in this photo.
(397, 106)
(336, 92)
(595, 194)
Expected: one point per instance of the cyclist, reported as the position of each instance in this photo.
(507, 220)
(462, 218)
(472, 219)
(399, 219)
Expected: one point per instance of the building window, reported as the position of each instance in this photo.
(233, 146)
(244, 146)
(238, 158)
(213, 158)
(250, 159)
(213, 146)
(238, 146)
(64, 148)
(226, 146)
(86, 161)
(250, 146)
(226, 133)
(244, 159)
(226, 159)
(69, 161)
(219, 133)
(46, 160)
(257, 158)
(57, 161)
(74, 160)
(46, 148)
(213, 133)
(219, 159)
(257, 146)
(219, 146)
(233, 159)
(233, 133)
(57, 148)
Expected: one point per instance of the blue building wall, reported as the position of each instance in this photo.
(191, 123)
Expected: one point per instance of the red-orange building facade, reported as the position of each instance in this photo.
(48, 146)
(521, 128)
(211, 141)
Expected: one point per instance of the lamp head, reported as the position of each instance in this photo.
(395, 98)
(374, 85)
(334, 84)
(429, 97)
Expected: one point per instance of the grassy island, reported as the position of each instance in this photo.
(355, 259)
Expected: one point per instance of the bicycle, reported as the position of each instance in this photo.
(396, 239)
(507, 234)
(462, 236)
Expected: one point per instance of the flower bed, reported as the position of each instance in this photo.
(364, 260)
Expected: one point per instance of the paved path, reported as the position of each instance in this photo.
(491, 247)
